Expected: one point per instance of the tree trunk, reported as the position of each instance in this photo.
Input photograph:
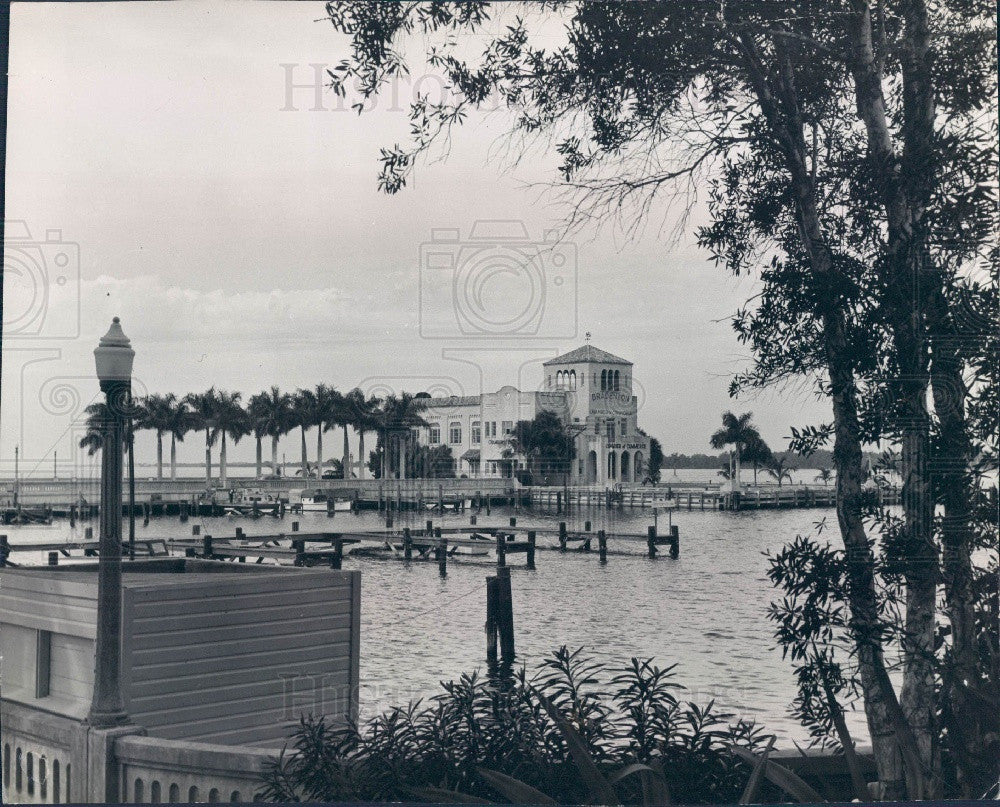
(222, 461)
(305, 459)
(319, 450)
(361, 454)
(885, 724)
(159, 454)
(736, 471)
(208, 458)
(274, 454)
(260, 456)
(173, 456)
(904, 195)
(347, 455)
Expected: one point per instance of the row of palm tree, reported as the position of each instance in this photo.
(222, 415)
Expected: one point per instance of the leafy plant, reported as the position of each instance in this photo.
(573, 732)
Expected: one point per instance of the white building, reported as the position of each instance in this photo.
(588, 388)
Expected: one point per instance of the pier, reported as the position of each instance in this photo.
(41, 500)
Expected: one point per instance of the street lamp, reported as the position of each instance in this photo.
(113, 358)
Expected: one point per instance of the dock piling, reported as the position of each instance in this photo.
(53, 558)
(295, 526)
(505, 615)
(407, 544)
(196, 529)
(513, 521)
(492, 597)
(206, 546)
(562, 536)
(602, 546)
(501, 540)
(651, 542)
(442, 553)
(675, 542)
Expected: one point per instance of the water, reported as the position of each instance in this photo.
(705, 611)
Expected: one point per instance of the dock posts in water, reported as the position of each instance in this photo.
(4, 550)
(651, 542)
(196, 529)
(559, 502)
(586, 526)
(492, 623)
(53, 558)
(531, 549)
(407, 544)
(440, 498)
(206, 547)
(602, 546)
(72, 516)
(337, 558)
(295, 526)
(441, 553)
(513, 521)
(429, 528)
(300, 547)
(505, 615)
(562, 536)
(501, 549)
(183, 510)
(675, 541)
(472, 519)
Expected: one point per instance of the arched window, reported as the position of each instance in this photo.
(604, 380)
(617, 380)
(455, 432)
(572, 379)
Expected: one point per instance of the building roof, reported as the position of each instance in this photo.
(587, 353)
(453, 400)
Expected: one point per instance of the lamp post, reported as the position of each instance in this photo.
(113, 357)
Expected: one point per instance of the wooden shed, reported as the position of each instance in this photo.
(211, 651)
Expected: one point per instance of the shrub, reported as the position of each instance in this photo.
(574, 732)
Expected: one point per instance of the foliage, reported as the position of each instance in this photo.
(546, 442)
(654, 464)
(573, 731)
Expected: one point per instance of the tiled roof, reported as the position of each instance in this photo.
(587, 353)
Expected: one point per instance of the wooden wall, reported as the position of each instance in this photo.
(238, 658)
(212, 657)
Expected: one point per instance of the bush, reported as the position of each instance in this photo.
(573, 732)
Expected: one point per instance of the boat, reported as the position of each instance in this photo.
(445, 505)
(251, 502)
(318, 501)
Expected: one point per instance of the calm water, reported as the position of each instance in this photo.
(705, 611)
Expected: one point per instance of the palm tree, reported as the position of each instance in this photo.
(367, 421)
(204, 411)
(178, 423)
(736, 431)
(396, 414)
(305, 414)
(356, 415)
(758, 453)
(93, 438)
(825, 476)
(271, 416)
(157, 415)
(231, 418)
(780, 470)
(326, 401)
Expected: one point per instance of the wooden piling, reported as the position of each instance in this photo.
(472, 519)
(586, 526)
(196, 529)
(295, 526)
(407, 544)
(492, 623)
(675, 542)
(53, 558)
(559, 502)
(337, 558)
(602, 545)
(651, 541)
(183, 512)
(429, 529)
(441, 551)
(88, 533)
(531, 549)
(501, 541)
(505, 615)
(206, 546)
(513, 521)
(562, 536)
(4, 550)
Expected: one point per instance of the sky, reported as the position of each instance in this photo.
(170, 163)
